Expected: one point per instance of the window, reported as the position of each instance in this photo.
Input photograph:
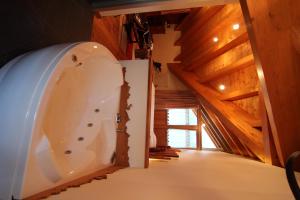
(207, 143)
(182, 138)
(182, 117)
(182, 132)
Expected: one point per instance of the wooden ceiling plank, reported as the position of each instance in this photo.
(240, 94)
(205, 16)
(209, 30)
(226, 113)
(238, 65)
(212, 54)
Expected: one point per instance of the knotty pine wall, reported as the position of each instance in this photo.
(203, 56)
(109, 31)
(160, 127)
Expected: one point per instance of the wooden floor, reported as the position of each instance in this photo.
(195, 175)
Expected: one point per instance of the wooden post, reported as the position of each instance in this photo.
(274, 32)
(199, 129)
(149, 107)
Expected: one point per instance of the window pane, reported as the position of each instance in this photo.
(181, 117)
(206, 141)
(192, 117)
(182, 138)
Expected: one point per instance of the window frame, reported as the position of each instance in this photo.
(196, 128)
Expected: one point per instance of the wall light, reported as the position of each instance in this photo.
(221, 87)
(215, 39)
(235, 26)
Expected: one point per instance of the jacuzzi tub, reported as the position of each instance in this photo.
(58, 108)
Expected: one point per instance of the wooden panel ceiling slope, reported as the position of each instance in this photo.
(217, 63)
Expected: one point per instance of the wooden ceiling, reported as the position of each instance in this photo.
(250, 115)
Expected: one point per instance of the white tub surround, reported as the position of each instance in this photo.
(137, 75)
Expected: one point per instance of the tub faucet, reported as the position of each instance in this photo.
(118, 119)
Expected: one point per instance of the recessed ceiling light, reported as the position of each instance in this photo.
(95, 46)
(222, 87)
(215, 39)
(236, 26)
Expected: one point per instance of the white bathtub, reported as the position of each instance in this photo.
(57, 116)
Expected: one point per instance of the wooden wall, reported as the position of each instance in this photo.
(109, 32)
(165, 99)
(160, 126)
(200, 52)
(274, 32)
(206, 64)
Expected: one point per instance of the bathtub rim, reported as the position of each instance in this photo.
(35, 101)
(49, 84)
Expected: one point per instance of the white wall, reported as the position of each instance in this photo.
(165, 51)
(137, 78)
(162, 5)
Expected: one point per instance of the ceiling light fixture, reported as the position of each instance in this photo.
(95, 46)
(236, 27)
(222, 87)
(215, 39)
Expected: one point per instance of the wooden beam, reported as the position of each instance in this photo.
(240, 64)
(212, 54)
(274, 33)
(225, 111)
(251, 120)
(150, 107)
(183, 127)
(199, 129)
(239, 94)
(270, 149)
(176, 11)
